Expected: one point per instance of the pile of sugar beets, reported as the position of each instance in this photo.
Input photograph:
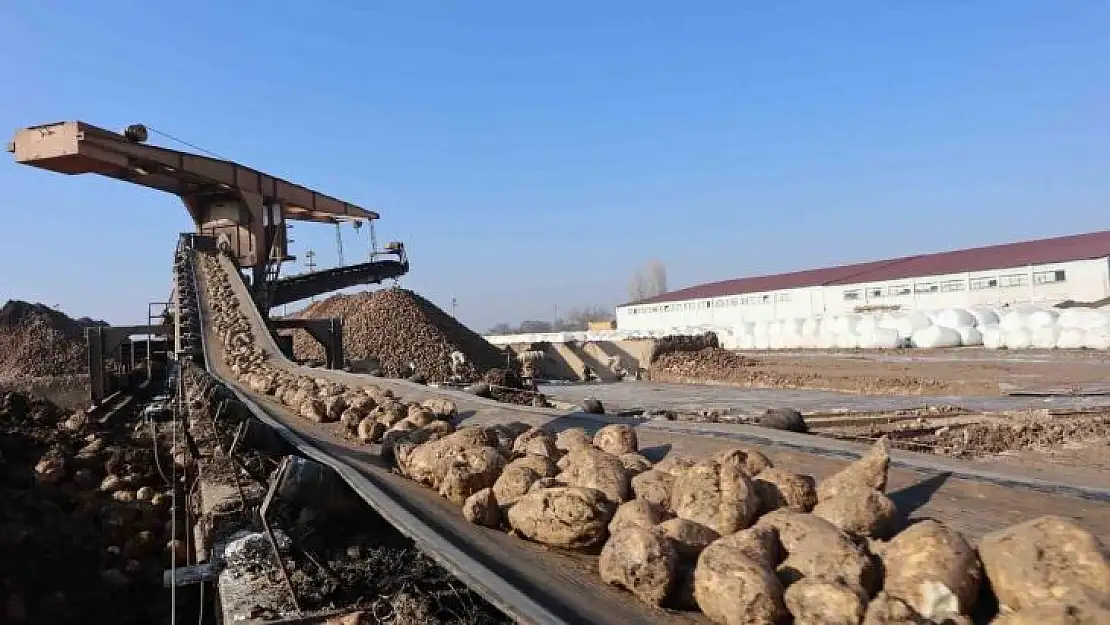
(733, 536)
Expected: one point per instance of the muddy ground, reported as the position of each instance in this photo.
(961, 371)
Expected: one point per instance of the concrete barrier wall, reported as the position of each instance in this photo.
(564, 361)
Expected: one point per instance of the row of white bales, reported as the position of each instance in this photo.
(995, 328)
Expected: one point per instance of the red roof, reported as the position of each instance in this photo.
(1040, 252)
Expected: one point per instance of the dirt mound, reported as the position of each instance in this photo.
(707, 363)
(683, 343)
(36, 340)
(1033, 434)
(398, 327)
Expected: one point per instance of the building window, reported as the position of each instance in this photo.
(1015, 279)
(782, 297)
(1048, 277)
(978, 284)
(766, 299)
(852, 295)
(926, 287)
(949, 286)
(875, 292)
(898, 290)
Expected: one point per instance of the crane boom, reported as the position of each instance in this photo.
(74, 147)
(224, 198)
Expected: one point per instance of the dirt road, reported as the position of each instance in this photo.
(964, 371)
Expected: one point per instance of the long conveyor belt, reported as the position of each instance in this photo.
(537, 585)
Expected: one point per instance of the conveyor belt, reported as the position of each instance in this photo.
(295, 288)
(536, 585)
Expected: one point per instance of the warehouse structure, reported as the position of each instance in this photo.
(1042, 272)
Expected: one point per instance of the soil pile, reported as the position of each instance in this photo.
(36, 340)
(398, 327)
(707, 363)
(87, 508)
(683, 343)
(981, 439)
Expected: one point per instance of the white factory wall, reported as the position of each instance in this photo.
(1082, 280)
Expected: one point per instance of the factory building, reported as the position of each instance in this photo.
(1042, 272)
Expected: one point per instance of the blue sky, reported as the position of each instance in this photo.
(532, 154)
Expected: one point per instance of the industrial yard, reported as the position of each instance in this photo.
(619, 314)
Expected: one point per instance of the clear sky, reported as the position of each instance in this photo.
(532, 154)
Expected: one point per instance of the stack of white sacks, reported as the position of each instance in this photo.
(994, 328)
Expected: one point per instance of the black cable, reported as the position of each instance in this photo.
(186, 143)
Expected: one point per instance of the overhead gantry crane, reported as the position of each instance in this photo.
(245, 209)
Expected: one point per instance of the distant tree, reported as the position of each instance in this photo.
(575, 320)
(578, 319)
(648, 281)
(535, 326)
(656, 277)
(637, 287)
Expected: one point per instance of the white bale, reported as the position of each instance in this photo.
(1018, 338)
(912, 323)
(1096, 320)
(955, 318)
(992, 336)
(970, 336)
(1014, 320)
(889, 321)
(886, 338)
(867, 323)
(984, 316)
(728, 340)
(1096, 339)
(793, 326)
(1071, 338)
(935, 336)
(866, 340)
(810, 327)
(1042, 318)
(1046, 336)
(1073, 318)
(846, 324)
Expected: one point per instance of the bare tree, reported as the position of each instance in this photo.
(648, 281)
(656, 277)
(637, 288)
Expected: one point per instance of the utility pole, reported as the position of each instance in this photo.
(311, 264)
